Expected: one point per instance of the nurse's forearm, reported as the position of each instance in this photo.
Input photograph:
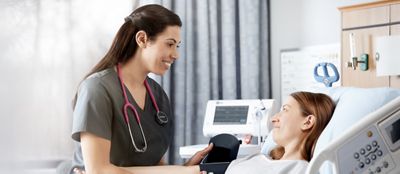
(104, 169)
(165, 169)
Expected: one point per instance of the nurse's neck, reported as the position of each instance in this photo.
(133, 73)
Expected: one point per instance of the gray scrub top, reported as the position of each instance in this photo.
(99, 110)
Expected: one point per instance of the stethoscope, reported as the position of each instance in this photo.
(161, 117)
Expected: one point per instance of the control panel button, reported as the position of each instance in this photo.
(356, 155)
(379, 153)
(378, 170)
(367, 161)
(374, 143)
(361, 165)
(368, 147)
(385, 164)
(362, 151)
(373, 157)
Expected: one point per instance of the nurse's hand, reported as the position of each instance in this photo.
(198, 156)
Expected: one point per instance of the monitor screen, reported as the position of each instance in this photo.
(230, 115)
(393, 130)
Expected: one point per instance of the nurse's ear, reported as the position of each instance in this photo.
(141, 38)
(308, 122)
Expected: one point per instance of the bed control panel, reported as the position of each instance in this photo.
(375, 149)
(365, 153)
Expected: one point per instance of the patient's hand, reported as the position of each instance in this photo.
(79, 171)
(198, 156)
(247, 139)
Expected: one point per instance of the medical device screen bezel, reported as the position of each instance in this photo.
(211, 129)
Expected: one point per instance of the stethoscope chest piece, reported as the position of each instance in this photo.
(161, 118)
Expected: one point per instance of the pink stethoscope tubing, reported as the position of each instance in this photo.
(128, 105)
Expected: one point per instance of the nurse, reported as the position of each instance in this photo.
(296, 129)
(122, 120)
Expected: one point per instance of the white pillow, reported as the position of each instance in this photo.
(268, 145)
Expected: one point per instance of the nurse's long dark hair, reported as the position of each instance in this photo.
(319, 105)
(152, 19)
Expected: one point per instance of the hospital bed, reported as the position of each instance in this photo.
(363, 134)
(371, 145)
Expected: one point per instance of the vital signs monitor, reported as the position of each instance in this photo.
(238, 117)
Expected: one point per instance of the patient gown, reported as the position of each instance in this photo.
(262, 164)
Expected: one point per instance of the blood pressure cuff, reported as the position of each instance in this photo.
(224, 151)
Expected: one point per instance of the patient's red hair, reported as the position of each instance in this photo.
(319, 105)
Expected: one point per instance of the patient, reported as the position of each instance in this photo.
(296, 129)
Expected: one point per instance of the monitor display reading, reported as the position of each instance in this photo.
(230, 115)
(393, 131)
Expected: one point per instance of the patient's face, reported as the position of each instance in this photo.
(287, 123)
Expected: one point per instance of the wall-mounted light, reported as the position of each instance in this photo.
(387, 55)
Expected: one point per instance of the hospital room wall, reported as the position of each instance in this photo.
(302, 23)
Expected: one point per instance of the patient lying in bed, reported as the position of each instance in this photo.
(296, 129)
